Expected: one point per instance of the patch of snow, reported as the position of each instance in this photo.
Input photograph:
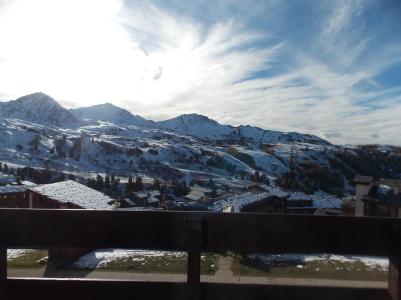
(384, 189)
(15, 253)
(372, 262)
(102, 257)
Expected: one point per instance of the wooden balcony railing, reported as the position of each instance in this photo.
(194, 232)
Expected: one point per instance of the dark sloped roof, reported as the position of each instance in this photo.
(391, 182)
(394, 200)
(363, 179)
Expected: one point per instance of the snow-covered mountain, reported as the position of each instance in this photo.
(39, 108)
(260, 135)
(110, 113)
(202, 127)
(189, 147)
(192, 144)
(197, 125)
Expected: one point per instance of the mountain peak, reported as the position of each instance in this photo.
(110, 113)
(195, 117)
(196, 125)
(39, 98)
(39, 108)
(107, 105)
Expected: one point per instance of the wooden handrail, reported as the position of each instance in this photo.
(200, 231)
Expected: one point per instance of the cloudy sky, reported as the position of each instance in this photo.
(331, 68)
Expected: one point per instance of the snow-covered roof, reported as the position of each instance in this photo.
(141, 194)
(320, 199)
(76, 193)
(6, 178)
(201, 189)
(195, 195)
(238, 201)
(9, 189)
(384, 189)
(137, 208)
(28, 183)
(359, 179)
(274, 191)
(154, 193)
(153, 200)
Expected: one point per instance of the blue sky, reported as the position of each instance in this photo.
(330, 68)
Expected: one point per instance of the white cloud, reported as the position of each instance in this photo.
(343, 32)
(160, 65)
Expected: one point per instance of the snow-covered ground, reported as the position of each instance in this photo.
(15, 253)
(371, 262)
(102, 257)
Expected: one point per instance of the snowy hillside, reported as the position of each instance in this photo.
(107, 148)
(189, 147)
(41, 109)
(110, 113)
(257, 134)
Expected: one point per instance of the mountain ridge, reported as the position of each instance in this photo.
(42, 109)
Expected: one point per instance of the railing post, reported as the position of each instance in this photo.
(394, 268)
(394, 278)
(194, 239)
(3, 265)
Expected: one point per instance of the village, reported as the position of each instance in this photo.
(17, 190)
(152, 194)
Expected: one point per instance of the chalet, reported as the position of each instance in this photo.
(276, 204)
(304, 205)
(198, 193)
(14, 196)
(148, 198)
(67, 194)
(275, 200)
(126, 202)
(270, 204)
(377, 198)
